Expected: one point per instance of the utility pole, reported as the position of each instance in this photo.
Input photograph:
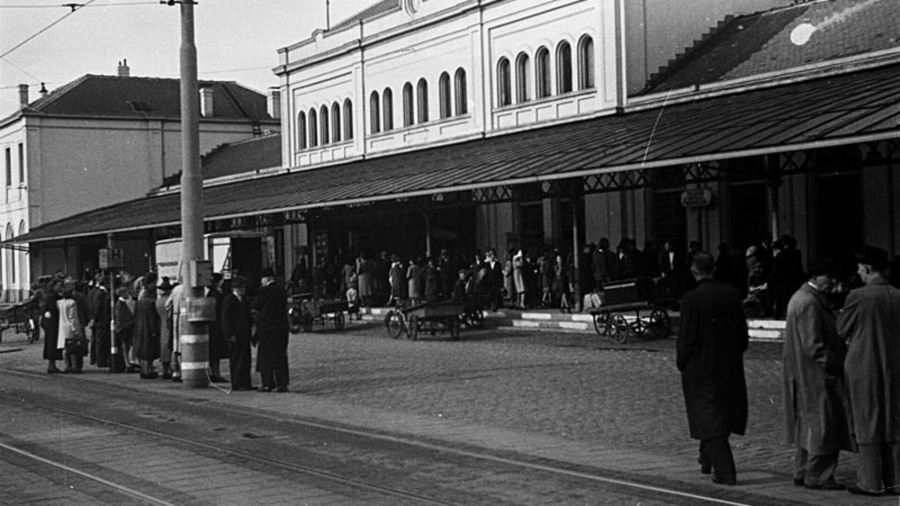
(194, 332)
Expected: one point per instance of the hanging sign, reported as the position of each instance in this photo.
(697, 197)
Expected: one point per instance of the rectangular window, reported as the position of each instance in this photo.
(8, 166)
(21, 163)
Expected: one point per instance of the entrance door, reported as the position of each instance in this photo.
(246, 255)
(839, 220)
(670, 219)
(748, 208)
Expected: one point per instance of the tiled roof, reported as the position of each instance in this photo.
(376, 9)
(836, 110)
(138, 97)
(761, 43)
(243, 157)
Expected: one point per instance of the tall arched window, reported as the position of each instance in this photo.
(564, 68)
(23, 283)
(348, 119)
(586, 63)
(335, 122)
(422, 101)
(301, 130)
(313, 127)
(10, 259)
(387, 99)
(542, 73)
(504, 83)
(444, 95)
(374, 113)
(523, 78)
(462, 96)
(325, 128)
(409, 117)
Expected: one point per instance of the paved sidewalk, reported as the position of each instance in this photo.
(415, 389)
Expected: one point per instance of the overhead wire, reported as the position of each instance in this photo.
(42, 30)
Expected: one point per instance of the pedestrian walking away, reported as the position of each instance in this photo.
(870, 322)
(814, 416)
(237, 327)
(272, 332)
(711, 342)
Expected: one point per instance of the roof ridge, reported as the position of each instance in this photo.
(674, 63)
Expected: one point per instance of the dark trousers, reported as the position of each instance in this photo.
(239, 363)
(716, 451)
(814, 469)
(100, 345)
(272, 364)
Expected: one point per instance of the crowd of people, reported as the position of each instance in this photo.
(143, 337)
(841, 374)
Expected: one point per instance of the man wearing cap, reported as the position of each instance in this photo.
(814, 416)
(711, 343)
(272, 331)
(870, 322)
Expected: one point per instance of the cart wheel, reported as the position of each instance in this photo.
(453, 326)
(413, 328)
(339, 320)
(660, 325)
(601, 323)
(618, 329)
(307, 322)
(475, 319)
(394, 322)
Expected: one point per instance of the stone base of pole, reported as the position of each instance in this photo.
(194, 344)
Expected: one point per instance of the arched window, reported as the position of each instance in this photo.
(542, 73)
(586, 63)
(325, 128)
(564, 68)
(374, 113)
(444, 95)
(301, 130)
(422, 100)
(523, 78)
(462, 97)
(313, 126)
(504, 83)
(387, 99)
(409, 117)
(335, 122)
(348, 119)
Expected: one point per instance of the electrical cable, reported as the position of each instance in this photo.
(42, 30)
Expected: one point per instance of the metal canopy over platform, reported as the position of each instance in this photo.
(604, 154)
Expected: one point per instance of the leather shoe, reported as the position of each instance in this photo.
(798, 482)
(265, 390)
(724, 481)
(853, 489)
(828, 485)
(282, 389)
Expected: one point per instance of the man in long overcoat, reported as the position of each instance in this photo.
(272, 330)
(814, 415)
(237, 327)
(871, 322)
(146, 327)
(711, 342)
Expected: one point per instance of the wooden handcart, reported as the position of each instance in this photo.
(305, 311)
(23, 318)
(432, 316)
(650, 318)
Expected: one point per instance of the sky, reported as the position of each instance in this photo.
(237, 40)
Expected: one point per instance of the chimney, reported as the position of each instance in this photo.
(23, 95)
(44, 91)
(124, 70)
(273, 102)
(206, 102)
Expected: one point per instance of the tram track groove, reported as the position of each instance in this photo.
(484, 456)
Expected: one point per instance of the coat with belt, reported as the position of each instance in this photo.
(871, 322)
(814, 415)
(712, 339)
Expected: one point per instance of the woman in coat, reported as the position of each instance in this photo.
(519, 267)
(414, 281)
(366, 273)
(124, 313)
(146, 328)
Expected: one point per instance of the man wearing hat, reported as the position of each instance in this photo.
(870, 322)
(272, 330)
(165, 327)
(814, 416)
(237, 327)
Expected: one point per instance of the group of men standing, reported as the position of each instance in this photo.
(841, 375)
